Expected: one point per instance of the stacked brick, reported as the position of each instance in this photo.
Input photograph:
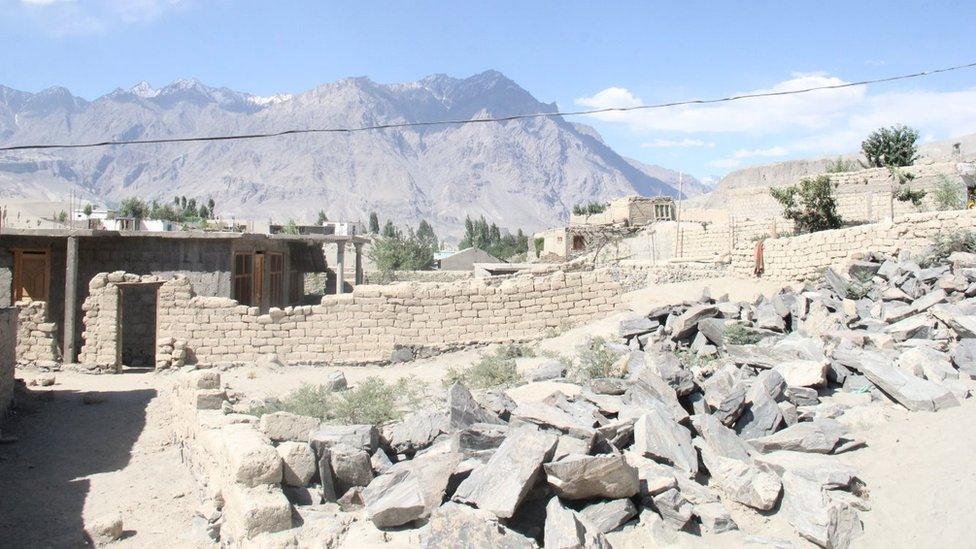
(804, 257)
(36, 334)
(366, 325)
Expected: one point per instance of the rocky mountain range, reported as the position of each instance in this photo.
(520, 174)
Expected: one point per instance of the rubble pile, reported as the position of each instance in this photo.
(722, 405)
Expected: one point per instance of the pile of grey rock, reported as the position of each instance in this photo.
(722, 405)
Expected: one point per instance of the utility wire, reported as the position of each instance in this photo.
(492, 119)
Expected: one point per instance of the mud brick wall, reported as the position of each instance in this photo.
(804, 257)
(366, 324)
(37, 337)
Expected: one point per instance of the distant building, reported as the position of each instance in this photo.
(464, 260)
(633, 211)
(344, 228)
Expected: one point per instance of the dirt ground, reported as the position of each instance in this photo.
(74, 462)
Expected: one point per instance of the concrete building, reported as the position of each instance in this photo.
(464, 260)
(47, 273)
(344, 228)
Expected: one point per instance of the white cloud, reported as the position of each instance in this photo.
(810, 124)
(68, 17)
(771, 151)
(676, 143)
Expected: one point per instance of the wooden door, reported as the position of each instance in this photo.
(243, 278)
(31, 275)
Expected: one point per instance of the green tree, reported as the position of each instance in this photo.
(210, 207)
(63, 216)
(390, 230)
(374, 223)
(88, 210)
(134, 207)
(810, 204)
(895, 146)
(204, 212)
(291, 227)
(322, 218)
(426, 236)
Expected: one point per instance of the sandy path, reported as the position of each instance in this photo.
(75, 462)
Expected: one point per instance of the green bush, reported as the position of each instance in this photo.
(489, 371)
(840, 166)
(396, 251)
(895, 146)
(479, 234)
(596, 360)
(948, 195)
(539, 244)
(737, 334)
(590, 208)
(944, 244)
(810, 204)
(372, 401)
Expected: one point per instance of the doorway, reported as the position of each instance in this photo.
(137, 324)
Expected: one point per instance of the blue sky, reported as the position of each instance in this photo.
(574, 53)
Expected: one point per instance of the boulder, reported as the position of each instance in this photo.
(104, 530)
(827, 471)
(607, 516)
(686, 324)
(820, 436)
(564, 529)
(282, 426)
(409, 490)
(817, 517)
(335, 381)
(464, 410)
(667, 367)
(500, 485)
(654, 477)
(550, 369)
(725, 395)
(911, 392)
(583, 477)
(722, 440)
(657, 435)
(350, 467)
(741, 480)
(636, 325)
(964, 356)
(417, 431)
(298, 463)
(380, 462)
(674, 508)
(461, 527)
(365, 437)
(803, 373)
(715, 517)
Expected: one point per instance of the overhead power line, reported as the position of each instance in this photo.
(488, 120)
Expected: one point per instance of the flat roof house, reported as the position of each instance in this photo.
(49, 273)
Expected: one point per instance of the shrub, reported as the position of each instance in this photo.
(860, 287)
(539, 244)
(810, 204)
(944, 244)
(914, 196)
(396, 251)
(372, 401)
(479, 234)
(595, 360)
(895, 146)
(490, 371)
(840, 166)
(738, 334)
(947, 194)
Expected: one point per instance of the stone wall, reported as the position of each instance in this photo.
(636, 275)
(805, 256)
(102, 347)
(8, 356)
(366, 324)
(36, 334)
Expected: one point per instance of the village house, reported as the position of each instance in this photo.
(463, 260)
(46, 273)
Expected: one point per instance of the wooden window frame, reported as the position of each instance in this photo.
(243, 286)
(18, 253)
(276, 278)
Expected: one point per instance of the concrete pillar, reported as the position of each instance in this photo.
(70, 300)
(359, 264)
(340, 268)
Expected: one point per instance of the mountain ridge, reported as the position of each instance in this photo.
(525, 173)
